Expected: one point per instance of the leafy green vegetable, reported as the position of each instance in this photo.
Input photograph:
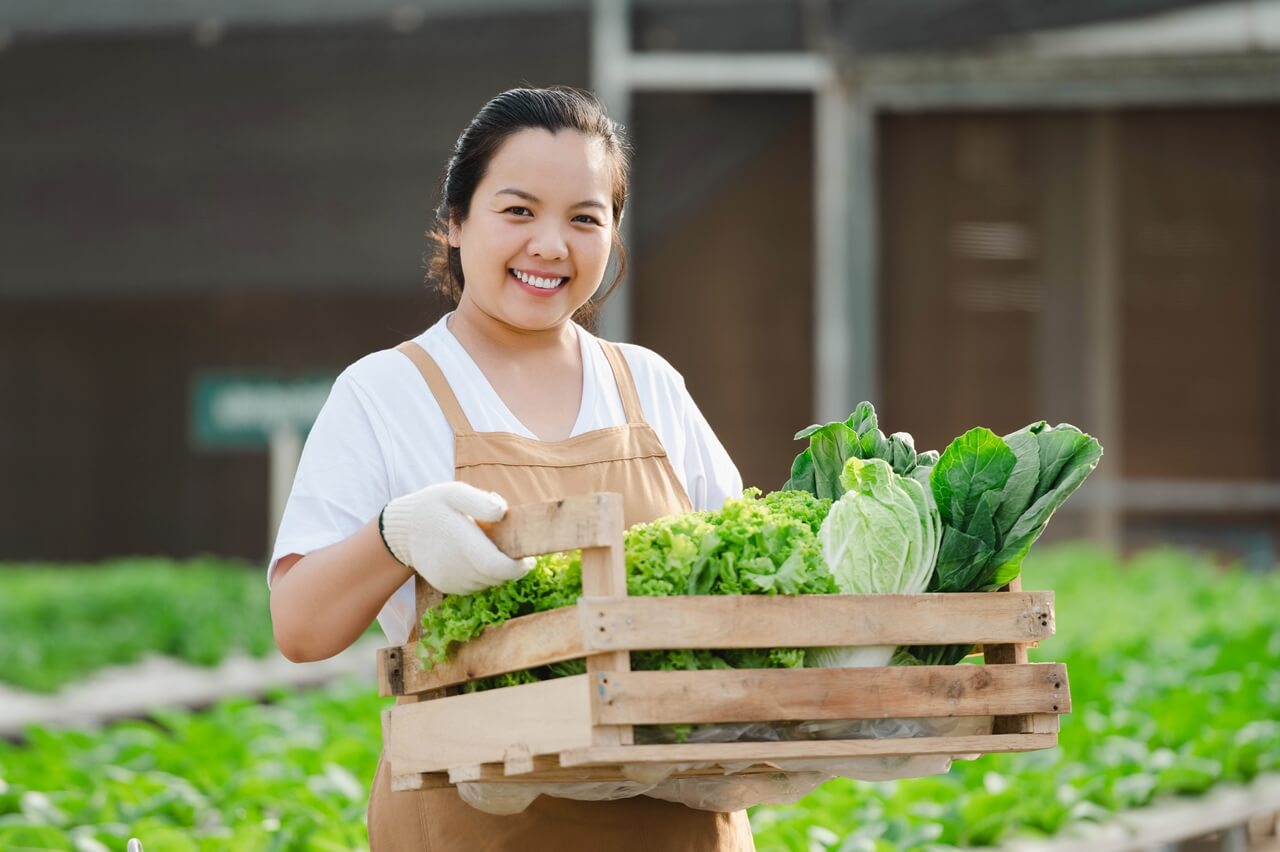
(996, 496)
(880, 538)
(818, 468)
(975, 463)
(751, 546)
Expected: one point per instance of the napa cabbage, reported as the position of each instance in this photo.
(880, 538)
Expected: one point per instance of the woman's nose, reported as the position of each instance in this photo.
(549, 243)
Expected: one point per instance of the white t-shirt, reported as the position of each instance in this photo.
(381, 434)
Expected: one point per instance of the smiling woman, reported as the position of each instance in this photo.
(564, 158)
(507, 399)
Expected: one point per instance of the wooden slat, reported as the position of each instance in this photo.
(754, 621)
(758, 695)
(997, 654)
(532, 529)
(419, 781)
(548, 768)
(425, 596)
(434, 736)
(391, 671)
(521, 643)
(604, 574)
(803, 750)
(1025, 723)
(517, 760)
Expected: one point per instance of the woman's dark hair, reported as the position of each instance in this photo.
(553, 109)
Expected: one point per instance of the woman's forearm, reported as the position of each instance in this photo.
(323, 602)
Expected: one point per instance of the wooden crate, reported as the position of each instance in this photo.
(580, 727)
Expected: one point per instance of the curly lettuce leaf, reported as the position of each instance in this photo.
(752, 545)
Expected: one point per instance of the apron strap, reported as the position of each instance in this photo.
(626, 382)
(439, 386)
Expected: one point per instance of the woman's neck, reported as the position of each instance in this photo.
(479, 331)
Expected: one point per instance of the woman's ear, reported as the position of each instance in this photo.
(455, 233)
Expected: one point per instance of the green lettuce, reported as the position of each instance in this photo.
(751, 546)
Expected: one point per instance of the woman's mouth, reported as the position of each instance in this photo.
(536, 284)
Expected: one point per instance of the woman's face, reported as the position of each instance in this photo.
(536, 241)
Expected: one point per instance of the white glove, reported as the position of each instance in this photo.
(434, 532)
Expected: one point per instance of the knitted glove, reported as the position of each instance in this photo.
(434, 532)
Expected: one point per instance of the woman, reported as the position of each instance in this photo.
(505, 400)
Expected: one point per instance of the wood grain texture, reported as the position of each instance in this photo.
(391, 671)
(481, 727)
(419, 781)
(813, 749)
(532, 529)
(757, 621)
(521, 643)
(1009, 655)
(759, 695)
(548, 768)
(1012, 654)
(604, 574)
(425, 596)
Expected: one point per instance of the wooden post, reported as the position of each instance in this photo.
(425, 597)
(604, 574)
(1008, 655)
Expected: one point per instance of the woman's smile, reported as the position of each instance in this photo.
(537, 282)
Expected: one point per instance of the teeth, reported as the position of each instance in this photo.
(535, 281)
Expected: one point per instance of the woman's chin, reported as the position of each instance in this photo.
(543, 315)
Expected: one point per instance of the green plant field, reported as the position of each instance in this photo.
(1174, 668)
(60, 623)
(1175, 677)
(290, 775)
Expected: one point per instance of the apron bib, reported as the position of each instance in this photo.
(631, 461)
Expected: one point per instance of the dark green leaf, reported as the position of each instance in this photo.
(874, 445)
(976, 462)
(1024, 532)
(802, 475)
(961, 559)
(982, 523)
(1058, 446)
(832, 446)
(1019, 491)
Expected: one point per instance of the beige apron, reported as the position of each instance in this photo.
(627, 459)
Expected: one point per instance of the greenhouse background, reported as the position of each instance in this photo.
(971, 212)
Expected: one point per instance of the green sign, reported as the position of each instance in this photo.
(243, 411)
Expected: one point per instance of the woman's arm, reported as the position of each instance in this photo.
(322, 602)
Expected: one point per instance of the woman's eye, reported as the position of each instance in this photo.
(518, 211)
(588, 218)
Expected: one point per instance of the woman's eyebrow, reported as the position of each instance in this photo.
(529, 196)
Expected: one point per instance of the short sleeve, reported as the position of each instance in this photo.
(711, 477)
(343, 475)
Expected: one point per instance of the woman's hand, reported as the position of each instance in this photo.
(435, 532)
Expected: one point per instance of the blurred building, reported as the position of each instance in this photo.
(970, 212)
